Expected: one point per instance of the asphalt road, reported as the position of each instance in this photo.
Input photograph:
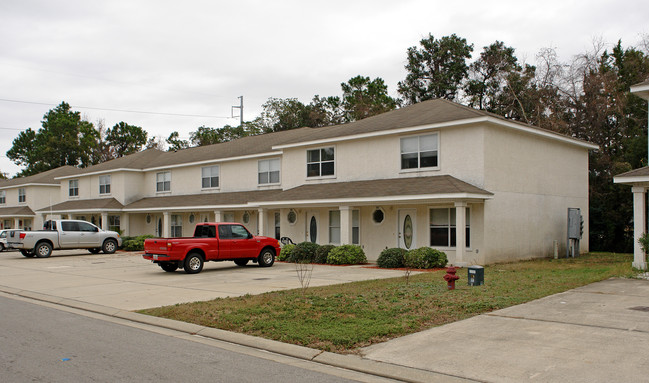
(45, 344)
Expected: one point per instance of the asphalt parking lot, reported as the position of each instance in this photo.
(126, 281)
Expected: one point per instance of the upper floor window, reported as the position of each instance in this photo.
(73, 188)
(210, 177)
(163, 182)
(22, 197)
(268, 171)
(419, 151)
(104, 184)
(3, 197)
(320, 162)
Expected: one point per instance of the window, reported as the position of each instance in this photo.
(210, 177)
(176, 225)
(419, 152)
(22, 197)
(239, 231)
(334, 226)
(268, 171)
(205, 231)
(69, 226)
(104, 184)
(228, 217)
(356, 227)
(442, 227)
(378, 215)
(85, 226)
(246, 217)
(73, 188)
(320, 162)
(291, 217)
(3, 197)
(277, 225)
(163, 182)
(114, 222)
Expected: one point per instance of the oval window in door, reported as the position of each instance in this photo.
(313, 230)
(407, 231)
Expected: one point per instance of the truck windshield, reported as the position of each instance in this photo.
(205, 231)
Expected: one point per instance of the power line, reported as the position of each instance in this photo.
(115, 110)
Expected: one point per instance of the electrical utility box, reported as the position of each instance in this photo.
(475, 275)
(575, 230)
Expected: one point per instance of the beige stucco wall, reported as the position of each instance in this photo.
(534, 181)
(461, 154)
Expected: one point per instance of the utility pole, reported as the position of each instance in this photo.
(240, 106)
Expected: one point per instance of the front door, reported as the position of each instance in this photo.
(312, 223)
(407, 228)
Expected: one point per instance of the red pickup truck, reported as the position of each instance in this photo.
(223, 241)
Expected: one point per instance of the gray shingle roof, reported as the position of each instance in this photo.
(396, 187)
(205, 200)
(17, 211)
(641, 172)
(85, 204)
(46, 177)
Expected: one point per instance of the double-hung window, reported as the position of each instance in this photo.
(268, 172)
(114, 222)
(163, 182)
(420, 151)
(356, 227)
(104, 184)
(210, 177)
(176, 225)
(320, 162)
(73, 188)
(443, 227)
(3, 197)
(22, 197)
(334, 226)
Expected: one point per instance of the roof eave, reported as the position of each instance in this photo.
(379, 200)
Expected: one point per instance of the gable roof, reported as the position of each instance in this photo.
(636, 175)
(98, 204)
(201, 201)
(17, 211)
(44, 178)
(136, 161)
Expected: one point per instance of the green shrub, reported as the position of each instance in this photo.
(304, 252)
(134, 243)
(322, 253)
(346, 255)
(391, 258)
(286, 253)
(425, 258)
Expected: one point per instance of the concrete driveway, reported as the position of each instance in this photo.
(126, 281)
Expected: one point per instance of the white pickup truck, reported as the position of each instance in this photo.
(66, 234)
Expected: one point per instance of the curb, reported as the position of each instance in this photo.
(349, 362)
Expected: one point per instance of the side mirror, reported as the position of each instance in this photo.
(250, 235)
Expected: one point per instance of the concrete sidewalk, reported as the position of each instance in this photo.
(596, 333)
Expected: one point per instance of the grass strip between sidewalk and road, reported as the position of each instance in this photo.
(342, 318)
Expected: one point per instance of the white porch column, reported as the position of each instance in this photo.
(460, 233)
(345, 225)
(217, 216)
(639, 227)
(166, 224)
(104, 221)
(125, 224)
(16, 223)
(261, 221)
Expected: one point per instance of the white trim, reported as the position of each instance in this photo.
(468, 121)
(187, 208)
(641, 91)
(25, 185)
(374, 200)
(630, 180)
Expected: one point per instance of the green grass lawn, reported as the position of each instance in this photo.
(342, 318)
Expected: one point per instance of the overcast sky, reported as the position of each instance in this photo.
(196, 57)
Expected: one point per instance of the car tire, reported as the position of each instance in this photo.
(94, 250)
(169, 267)
(241, 262)
(193, 263)
(2, 247)
(109, 246)
(27, 253)
(43, 250)
(266, 258)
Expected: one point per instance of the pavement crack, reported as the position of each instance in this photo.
(566, 323)
(317, 355)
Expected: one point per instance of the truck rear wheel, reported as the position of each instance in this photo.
(27, 253)
(43, 250)
(169, 267)
(241, 262)
(193, 263)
